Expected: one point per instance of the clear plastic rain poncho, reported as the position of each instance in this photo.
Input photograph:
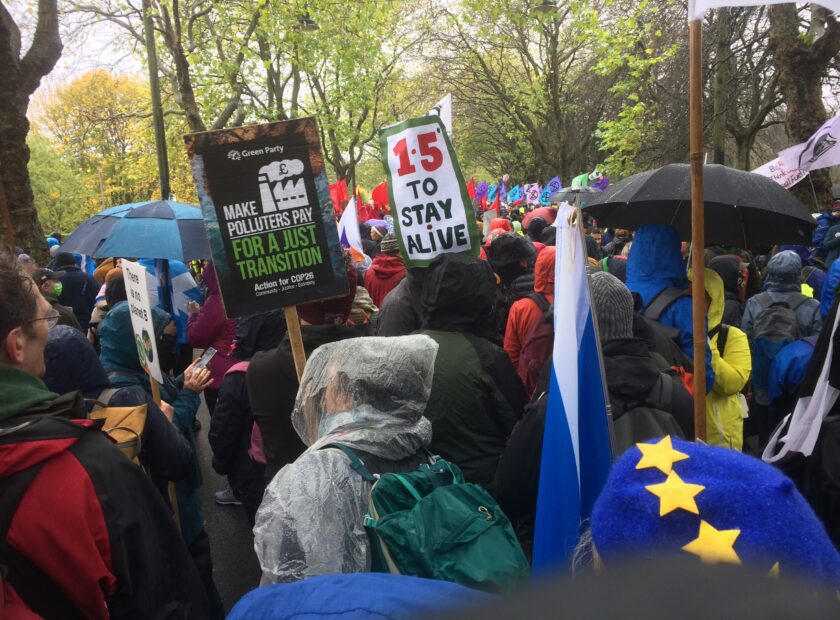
(368, 394)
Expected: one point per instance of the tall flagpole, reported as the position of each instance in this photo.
(698, 241)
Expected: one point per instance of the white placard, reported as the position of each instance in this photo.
(141, 318)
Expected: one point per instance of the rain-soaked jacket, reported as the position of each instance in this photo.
(724, 421)
(368, 394)
(525, 313)
(655, 263)
(211, 327)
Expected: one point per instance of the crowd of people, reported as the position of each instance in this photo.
(442, 370)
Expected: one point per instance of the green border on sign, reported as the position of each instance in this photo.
(475, 239)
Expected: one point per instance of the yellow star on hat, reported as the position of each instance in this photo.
(714, 546)
(660, 455)
(674, 494)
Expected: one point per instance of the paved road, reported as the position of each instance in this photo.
(235, 567)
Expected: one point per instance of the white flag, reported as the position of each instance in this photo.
(348, 228)
(820, 151)
(443, 108)
(780, 173)
(697, 8)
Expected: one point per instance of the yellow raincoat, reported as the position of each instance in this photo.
(724, 420)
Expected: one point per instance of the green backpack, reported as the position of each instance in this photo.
(430, 523)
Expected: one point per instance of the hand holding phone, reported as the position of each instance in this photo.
(205, 358)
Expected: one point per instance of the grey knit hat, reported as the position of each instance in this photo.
(389, 245)
(613, 306)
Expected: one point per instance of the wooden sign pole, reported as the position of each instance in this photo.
(295, 338)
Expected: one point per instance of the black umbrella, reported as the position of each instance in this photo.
(569, 194)
(742, 209)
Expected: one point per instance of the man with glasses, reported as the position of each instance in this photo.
(83, 532)
(51, 287)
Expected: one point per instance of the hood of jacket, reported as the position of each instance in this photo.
(386, 266)
(458, 294)
(655, 262)
(116, 338)
(783, 273)
(728, 267)
(715, 291)
(19, 391)
(630, 371)
(72, 363)
(544, 271)
(501, 223)
(368, 394)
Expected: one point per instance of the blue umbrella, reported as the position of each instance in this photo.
(159, 229)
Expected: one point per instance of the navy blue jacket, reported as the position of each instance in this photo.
(79, 293)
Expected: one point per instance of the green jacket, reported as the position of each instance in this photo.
(476, 400)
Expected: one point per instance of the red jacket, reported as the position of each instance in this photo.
(384, 273)
(525, 312)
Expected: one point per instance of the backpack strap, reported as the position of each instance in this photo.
(765, 300)
(238, 367)
(36, 589)
(355, 462)
(667, 391)
(539, 299)
(660, 303)
(723, 334)
(796, 300)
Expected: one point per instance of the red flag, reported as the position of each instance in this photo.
(471, 189)
(379, 195)
(497, 203)
(339, 195)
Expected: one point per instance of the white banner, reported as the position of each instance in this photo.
(777, 171)
(697, 8)
(141, 318)
(443, 108)
(820, 151)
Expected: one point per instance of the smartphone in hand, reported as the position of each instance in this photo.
(205, 358)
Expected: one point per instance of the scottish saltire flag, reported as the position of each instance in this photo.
(576, 454)
(348, 229)
(182, 289)
(555, 185)
(697, 8)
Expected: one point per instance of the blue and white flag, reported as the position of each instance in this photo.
(182, 290)
(348, 228)
(576, 454)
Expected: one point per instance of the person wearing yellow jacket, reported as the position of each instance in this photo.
(724, 413)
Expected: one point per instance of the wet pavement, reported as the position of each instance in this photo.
(235, 566)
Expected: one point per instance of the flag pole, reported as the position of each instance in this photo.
(698, 242)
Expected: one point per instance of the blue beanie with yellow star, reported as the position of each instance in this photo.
(675, 497)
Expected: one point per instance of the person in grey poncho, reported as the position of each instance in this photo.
(368, 394)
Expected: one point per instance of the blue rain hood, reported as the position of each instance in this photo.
(783, 273)
(655, 262)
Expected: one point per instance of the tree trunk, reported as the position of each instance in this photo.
(743, 149)
(801, 68)
(20, 77)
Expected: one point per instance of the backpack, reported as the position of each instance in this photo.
(255, 450)
(663, 339)
(124, 425)
(537, 344)
(649, 419)
(430, 523)
(774, 327)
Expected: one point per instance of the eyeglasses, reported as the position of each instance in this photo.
(51, 318)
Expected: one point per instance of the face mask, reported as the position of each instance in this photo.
(57, 290)
(167, 347)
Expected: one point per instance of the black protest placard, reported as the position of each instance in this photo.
(268, 215)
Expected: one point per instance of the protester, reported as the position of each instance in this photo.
(477, 398)
(208, 326)
(386, 270)
(787, 372)
(535, 228)
(656, 271)
(50, 287)
(675, 497)
(119, 358)
(399, 313)
(114, 294)
(368, 395)
(104, 266)
(70, 495)
(525, 313)
(78, 289)
(364, 314)
(732, 363)
(813, 279)
(732, 272)
(272, 380)
(615, 265)
(753, 279)
(620, 239)
(780, 315)
(825, 221)
(829, 289)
